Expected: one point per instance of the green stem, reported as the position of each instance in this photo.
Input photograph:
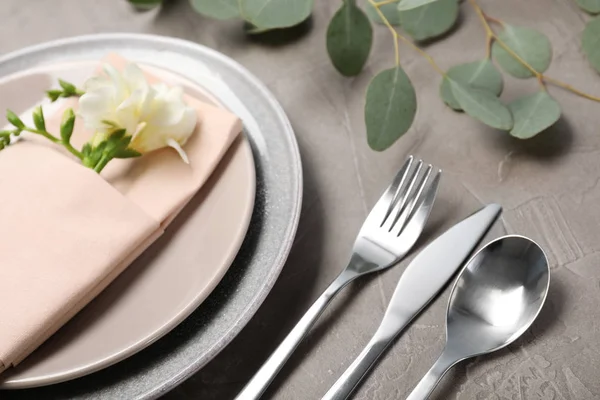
(56, 140)
(102, 163)
(72, 150)
(45, 134)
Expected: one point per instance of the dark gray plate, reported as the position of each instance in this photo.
(185, 350)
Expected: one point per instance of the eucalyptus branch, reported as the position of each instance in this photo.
(395, 35)
(542, 79)
(398, 36)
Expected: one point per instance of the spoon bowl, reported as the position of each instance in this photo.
(496, 298)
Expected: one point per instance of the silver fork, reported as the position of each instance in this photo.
(389, 232)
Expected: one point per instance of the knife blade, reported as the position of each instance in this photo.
(422, 280)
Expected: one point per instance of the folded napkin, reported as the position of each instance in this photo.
(67, 232)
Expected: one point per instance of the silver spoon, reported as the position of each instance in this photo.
(496, 298)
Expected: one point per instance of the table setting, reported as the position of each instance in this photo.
(340, 199)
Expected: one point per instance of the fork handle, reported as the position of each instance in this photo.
(261, 380)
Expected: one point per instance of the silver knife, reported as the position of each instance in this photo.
(422, 280)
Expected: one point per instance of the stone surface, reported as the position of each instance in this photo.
(548, 186)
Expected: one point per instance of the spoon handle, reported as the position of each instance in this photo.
(433, 376)
(346, 384)
(261, 380)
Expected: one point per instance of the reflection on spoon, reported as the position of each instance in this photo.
(496, 298)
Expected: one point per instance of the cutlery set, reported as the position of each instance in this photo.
(498, 294)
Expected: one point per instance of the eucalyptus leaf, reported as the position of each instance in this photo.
(591, 6)
(591, 42)
(478, 74)
(431, 20)
(532, 46)
(272, 14)
(390, 108)
(483, 105)
(390, 11)
(349, 39)
(218, 9)
(145, 4)
(533, 113)
(406, 5)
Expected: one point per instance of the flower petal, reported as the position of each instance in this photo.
(173, 143)
(133, 75)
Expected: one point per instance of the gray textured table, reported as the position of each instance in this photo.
(548, 187)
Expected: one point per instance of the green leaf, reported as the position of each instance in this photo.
(483, 105)
(478, 74)
(53, 94)
(529, 44)
(38, 118)
(271, 14)
(532, 114)
(591, 6)
(349, 39)
(591, 42)
(391, 105)
(390, 11)
(218, 9)
(431, 20)
(127, 153)
(87, 149)
(69, 88)
(14, 119)
(145, 4)
(406, 5)
(67, 125)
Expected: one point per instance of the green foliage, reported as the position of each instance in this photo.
(349, 39)
(477, 74)
(217, 9)
(390, 108)
(591, 6)
(390, 11)
(145, 4)
(483, 105)
(430, 20)
(532, 114)
(591, 42)
(67, 90)
(273, 14)
(67, 125)
(532, 46)
(391, 102)
(405, 5)
(14, 120)
(38, 119)
(96, 157)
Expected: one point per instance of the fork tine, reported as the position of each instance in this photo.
(417, 220)
(402, 216)
(391, 194)
(404, 196)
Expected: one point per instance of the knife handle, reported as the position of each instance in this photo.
(261, 380)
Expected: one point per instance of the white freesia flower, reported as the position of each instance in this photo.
(155, 115)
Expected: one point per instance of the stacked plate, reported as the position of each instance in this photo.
(186, 297)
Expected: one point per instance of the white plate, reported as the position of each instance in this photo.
(169, 280)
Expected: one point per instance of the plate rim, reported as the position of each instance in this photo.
(295, 163)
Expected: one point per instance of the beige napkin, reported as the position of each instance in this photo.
(67, 232)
